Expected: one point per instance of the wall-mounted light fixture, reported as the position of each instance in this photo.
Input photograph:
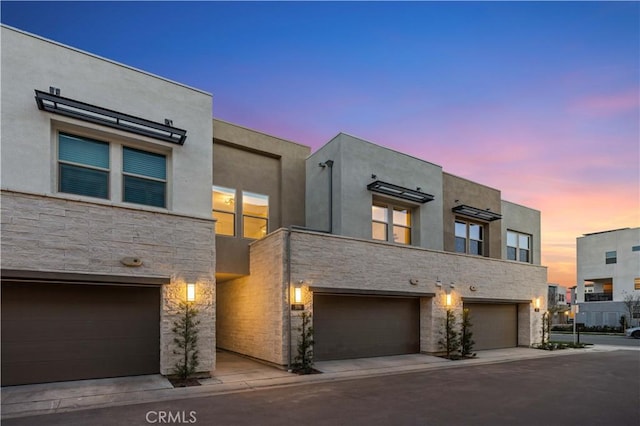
(297, 304)
(438, 283)
(191, 292)
(447, 300)
(536, 304)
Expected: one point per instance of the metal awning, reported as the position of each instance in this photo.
(399, 192)
(476, 213)
(71, 108)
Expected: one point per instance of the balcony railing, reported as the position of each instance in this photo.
(598, 297)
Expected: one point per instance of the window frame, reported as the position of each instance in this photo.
(233, 212)
(144, 177)
(518, 248)
(390, 223)
(611, 257)
(253, 216)
(60, 163)
(467, 239)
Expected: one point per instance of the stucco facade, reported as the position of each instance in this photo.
(50, 235)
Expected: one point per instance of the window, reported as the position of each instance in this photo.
(610, 257)
(223, 203)
(255, 215)
(83, 166)
(400, 227)
(636, 283)
(635, 248)
(518, 246)
(469, 237)
(144, 177)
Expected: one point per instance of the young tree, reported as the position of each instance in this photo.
(186, 330)
(632, 303)
(466, 343)
(303, 362)
(450, 340)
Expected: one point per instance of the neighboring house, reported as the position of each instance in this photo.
(106, 215)
(390, 239)
(608, 268)
(557, 304)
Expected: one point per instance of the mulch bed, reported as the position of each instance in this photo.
(179, 383)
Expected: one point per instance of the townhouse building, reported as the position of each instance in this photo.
(608, 271)
(119, 190)
(106, 217)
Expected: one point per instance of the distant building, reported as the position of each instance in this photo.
(557, 303)
(608, 266)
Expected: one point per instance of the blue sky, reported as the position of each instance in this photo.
(540, 100)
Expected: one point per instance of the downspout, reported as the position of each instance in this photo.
(288, 294)
(323, 165)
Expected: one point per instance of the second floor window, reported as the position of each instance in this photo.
(83, 166)
(518, 246)
(398, 231)
(610, 257)
(223, 203)
(469, 238)
(255, 215)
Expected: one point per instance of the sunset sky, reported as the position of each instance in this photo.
(539, 100)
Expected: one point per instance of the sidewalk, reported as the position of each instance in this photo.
(236, 373)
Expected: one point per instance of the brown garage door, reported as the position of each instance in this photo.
(349, 326)
(57, 332)
(494, 326)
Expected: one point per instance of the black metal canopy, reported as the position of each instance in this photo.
(71, 108)
(399, 192)
(476, 213)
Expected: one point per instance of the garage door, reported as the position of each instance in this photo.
(349, 326)
(494, 326)
(57, 332)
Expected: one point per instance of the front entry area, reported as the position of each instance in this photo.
(357, 326)
(57, 332)
(494, 325)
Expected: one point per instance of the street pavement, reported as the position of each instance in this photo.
(580, 388)
(598, 339)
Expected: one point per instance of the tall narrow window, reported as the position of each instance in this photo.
(223, 203)
(144, 177)
(379, 224)
(83, 166)
(518, 246)
(469, 238)
(401, 225)
(610, 257)
(400, 217)
(255, 215)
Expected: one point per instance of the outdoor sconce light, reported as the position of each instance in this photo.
(447, 300)
(297, 304)
(438, 283)
(191, 292)
(536, 304)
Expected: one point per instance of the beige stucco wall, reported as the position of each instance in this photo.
(30, 62)
(457, 191)
(248, 160)
(50, 233)
(524, 220)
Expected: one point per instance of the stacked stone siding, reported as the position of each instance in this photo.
(251, 311)
(50, 233)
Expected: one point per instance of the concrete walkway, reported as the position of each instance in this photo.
(236, 373)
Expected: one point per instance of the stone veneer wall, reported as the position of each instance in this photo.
(50, 233)
(251, 312)
(332, 261)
